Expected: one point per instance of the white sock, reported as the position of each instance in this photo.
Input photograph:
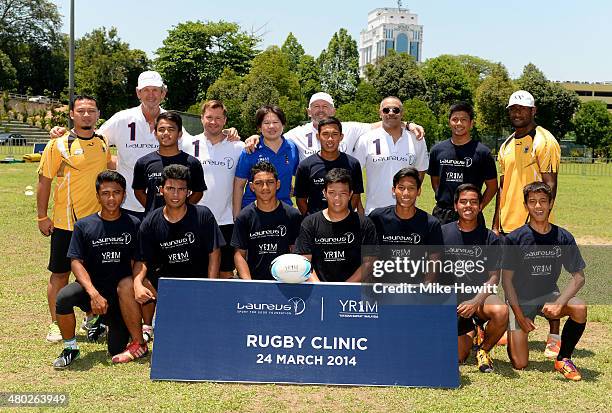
(555, 336)
(71, 344)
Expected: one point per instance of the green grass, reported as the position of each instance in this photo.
(94, 384)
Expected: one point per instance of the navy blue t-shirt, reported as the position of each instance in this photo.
(459, 164)
(106, 248)
(474, 254)
(265, 236)
(148, 171)
(536, 259)
(335, 246)
(179, 249)
(311, 171)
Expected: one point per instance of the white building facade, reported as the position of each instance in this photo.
(390, 29)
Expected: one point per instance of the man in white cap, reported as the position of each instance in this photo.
(530, 154)
(321, 106)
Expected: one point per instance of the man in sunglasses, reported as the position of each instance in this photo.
(386, 150)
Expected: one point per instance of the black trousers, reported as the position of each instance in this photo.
(74, 295)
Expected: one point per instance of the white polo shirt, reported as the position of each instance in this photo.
(305, 137)
(382, 158)
(219, 163)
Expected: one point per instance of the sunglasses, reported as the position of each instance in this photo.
(394, 110)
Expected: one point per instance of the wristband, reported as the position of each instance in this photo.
(42, 219)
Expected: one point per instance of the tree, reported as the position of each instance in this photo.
(476, 69)
(30, 37)
(194, 55)
(555, 105)
(396, 74)
(29, 22)
(416, 110)
(270, 81)
(364, 108)
(593, 125)
(309, 77)
(107, 68)
(340, 67)
(491, 100)
(8, 73)
(294, 51)
(446, 83)
(227, 88)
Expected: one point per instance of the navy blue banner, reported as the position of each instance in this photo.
(324, 333)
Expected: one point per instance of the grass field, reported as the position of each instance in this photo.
(93, 384)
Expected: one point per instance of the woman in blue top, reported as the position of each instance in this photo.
(272, 147)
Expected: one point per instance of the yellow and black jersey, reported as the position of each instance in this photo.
(523, 160)
(76, 162)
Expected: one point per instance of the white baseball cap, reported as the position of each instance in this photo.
(149, 78)
(521, 98)
(321, 96)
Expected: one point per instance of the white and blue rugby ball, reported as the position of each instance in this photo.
(290, 268)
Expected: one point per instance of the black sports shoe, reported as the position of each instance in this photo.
(97, 331)
(66, 357)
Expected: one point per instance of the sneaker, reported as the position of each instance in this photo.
(54, 335)
(88, 323)
(568, 369)
(66, 357)
(147, 333)
(553, 345)
(485, 364)
(132, 352)
(97, 331)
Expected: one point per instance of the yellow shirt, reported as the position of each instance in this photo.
(76, 165)
(523, 161)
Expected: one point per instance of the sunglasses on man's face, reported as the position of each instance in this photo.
(394, 110)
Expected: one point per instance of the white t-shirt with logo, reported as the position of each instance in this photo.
(130, 132)
(305, 137)
(219, 163)
(382, 158)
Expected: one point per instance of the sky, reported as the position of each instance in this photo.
(568, 40)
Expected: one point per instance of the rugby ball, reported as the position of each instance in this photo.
(290, 268)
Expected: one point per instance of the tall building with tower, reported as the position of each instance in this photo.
(390, 29)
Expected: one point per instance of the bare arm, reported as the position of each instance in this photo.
(141, 293)
(43, 192)
(550, 179)
(237, 195)
(141, 196)
(495, 224)
(490, 192)
(313, 274)
(99, 304)
(302, 205)
(435, 183)
(112, 164)
(241, 264)
(422, 175)
(195, 197)
(214, 261)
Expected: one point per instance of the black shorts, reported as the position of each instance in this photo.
(74, 295)
(465, 325)
(227, 252)
(58, 257)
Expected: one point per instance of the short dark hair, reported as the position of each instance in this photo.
(462, 107)
(338, 175)
(263, 166)
(176, 171)
(214, 104)
(171, 116)
(330, 121)
(82, 97)
(407, 172)
(467, 188)
(537, 187)
(264, 110)
(110, 176)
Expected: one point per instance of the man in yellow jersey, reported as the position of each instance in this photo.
(530, 154)
(75, 159)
